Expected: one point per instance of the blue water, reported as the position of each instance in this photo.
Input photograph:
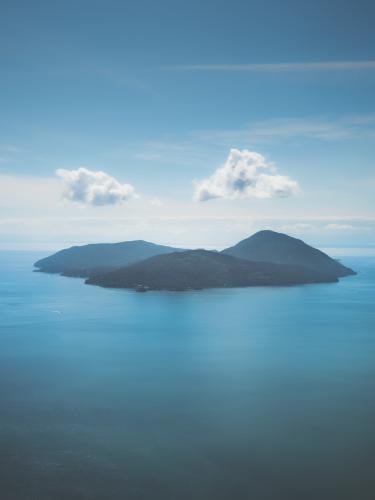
(259, 393)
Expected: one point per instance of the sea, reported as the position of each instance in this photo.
(261, 393)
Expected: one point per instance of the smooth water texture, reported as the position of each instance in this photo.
(257, 393)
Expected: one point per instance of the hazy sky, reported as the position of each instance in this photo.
(207, 119)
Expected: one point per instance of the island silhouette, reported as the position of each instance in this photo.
(267, 258)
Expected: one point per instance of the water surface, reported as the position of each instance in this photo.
(257, 393)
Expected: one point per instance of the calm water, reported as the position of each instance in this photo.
(225, 394)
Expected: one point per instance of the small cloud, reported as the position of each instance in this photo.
(340, 227)
(156, 202)
(298, 226)
(93, 188)
(9, 148)
(245, 174)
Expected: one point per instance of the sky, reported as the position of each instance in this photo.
(186, 123)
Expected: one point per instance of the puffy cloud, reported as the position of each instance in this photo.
(245, 174)
(93, 188)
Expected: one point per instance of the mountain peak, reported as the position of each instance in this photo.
(280, 248)
(269, 234)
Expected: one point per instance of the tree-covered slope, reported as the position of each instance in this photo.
(90, 259)
(196, 269)
(280, 248)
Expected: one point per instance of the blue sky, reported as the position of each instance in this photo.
(156, 94)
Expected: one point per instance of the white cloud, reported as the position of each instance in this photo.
(156, 202)
(93, 188)
(298, 226)
(245, 174)
(340, 227)
(199, 146)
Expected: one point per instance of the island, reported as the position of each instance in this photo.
(280, 248)
(88, 260)
(266, 258)
(197, 269)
